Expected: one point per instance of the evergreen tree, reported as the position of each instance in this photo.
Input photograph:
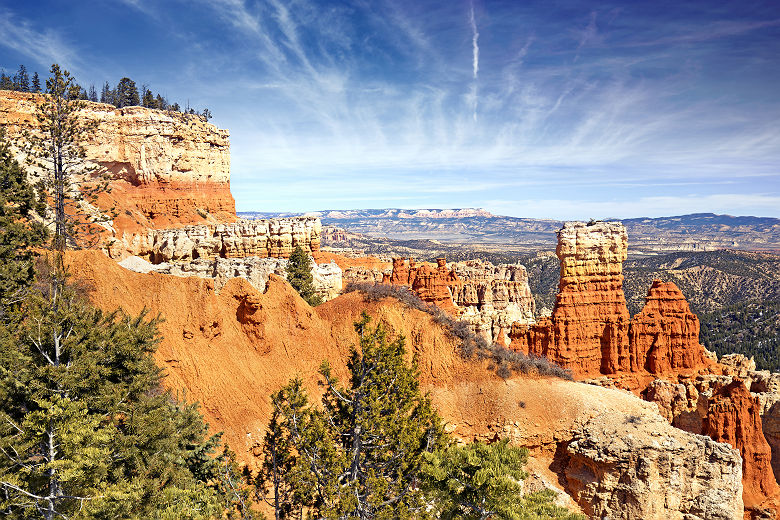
(18, 232)
(481, 481)
(59, 152)
(282, 482)
(6, 83)
(360, 456)
(126, 94)
(36, 83)
(22, 79)
(85, 427)
(161, 103)
(106, 95)
(148, 99)
(300, 277)
(92, 96)
(175, 107)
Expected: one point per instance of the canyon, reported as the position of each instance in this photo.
(653, 426)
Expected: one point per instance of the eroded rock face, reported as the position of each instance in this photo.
(432, 284)
(275, 238)
(721, 406)
(166, 169)
(492, 298)
(664, 336)
(734, 417)
(588, 329)
(489, 298)
(255, 270)
(640, 467)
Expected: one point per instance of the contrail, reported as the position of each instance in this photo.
(475, 55)
(474, 41)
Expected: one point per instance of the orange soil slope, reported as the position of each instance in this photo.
(230, 350)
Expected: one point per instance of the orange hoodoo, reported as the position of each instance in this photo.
(432, 285)
(590, 330)
(734, 417)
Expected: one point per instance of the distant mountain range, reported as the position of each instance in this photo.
(481, 229)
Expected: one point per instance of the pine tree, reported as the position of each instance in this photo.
(36, 83)
(481, 481)
(148, 99)
(22, 79)
(6, 83)
(361, 454)
(85, 426)
(92, 96)
(282, 481)
(18, 231)
(300, 277)
(162, 104)
(106, 95)
(57, 149)
(126, 94)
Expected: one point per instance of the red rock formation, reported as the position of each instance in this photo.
(432, 285)
(734, 417)
(166, 169)
(588, 329)
(664, 336)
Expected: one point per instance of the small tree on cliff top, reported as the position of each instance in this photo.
(300, 277)
(57, 148)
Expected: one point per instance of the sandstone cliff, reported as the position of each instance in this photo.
(433, 285)
(664, 336)
(733, 416)
(166, 169)
(720, 405)
(492, 298)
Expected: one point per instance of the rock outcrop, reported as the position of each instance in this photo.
(166, 169)
(664, 336)
(733, 417)
(489, 298)
(257, 271)
(590, 331)
(740, 407)
(275, 238)
(492, 298)
(639, 467)
(433, 285)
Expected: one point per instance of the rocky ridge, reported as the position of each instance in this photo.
(489, 298)
(738, 406)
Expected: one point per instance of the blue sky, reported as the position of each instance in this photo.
(537, 109)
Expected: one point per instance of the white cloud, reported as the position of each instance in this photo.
(45, 46)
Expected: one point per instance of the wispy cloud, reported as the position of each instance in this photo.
(45, 46)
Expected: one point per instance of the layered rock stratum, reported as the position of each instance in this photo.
(489, 298)
(165, 168)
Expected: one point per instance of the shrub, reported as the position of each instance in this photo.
(503, 360)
